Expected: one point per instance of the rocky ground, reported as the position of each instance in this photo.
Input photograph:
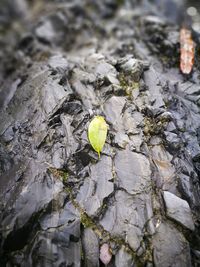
(62, 63)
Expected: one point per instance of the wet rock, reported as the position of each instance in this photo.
(69, 137)
(136, 142)
(171, 127)
(113, 110)
(64, 242)
(121, 140)
(8, 135)
(84, 92)
(162, 160)
(90, 248)
(133, 171)
(172, 139)
(59, 66)
(72, 107)
(58, 62)
(186, 187)
(152, 82)
(127, 221)
(53, 93)
(122, 258)
(196, 254)
(97, 187)
(107, 71)
(28, 196)
(178, 209)
(152, 20)
(132, 67)
(132, 121)
(173, 244)
(58, 157)
(10, 93)
(45, 32)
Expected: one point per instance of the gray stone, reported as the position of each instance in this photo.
(45, 31)
(162, 160)
(58, 157)
(101, 173)
(171, 127)
(132, 66)
(113, 111)
(63, 241)
(133, 171)
(189, 88)
(96, 187)
(132, 121)
(8, 135)
(11, 91)
(108, 71)
(136, 142)
(154, 20)
(58, 62)
(122, 258)
(26, 202)
(90, 248)
(178, 209)
(186, 188)
(69, 139)
(170, 247)
(121, 140)
(155, 140)
(85, 92)
(127, 216)
(60, 65)
(101, 69)
(152, 82)
(172, 139)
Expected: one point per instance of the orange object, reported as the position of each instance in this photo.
(187, 51)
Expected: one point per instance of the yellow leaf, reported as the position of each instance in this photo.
(97, 133)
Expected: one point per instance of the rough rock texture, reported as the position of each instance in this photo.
(61, 63)
(178, 209)
(169, 241)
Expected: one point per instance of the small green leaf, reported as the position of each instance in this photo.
(97, 133)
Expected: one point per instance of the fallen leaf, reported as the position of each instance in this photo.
(97, 133)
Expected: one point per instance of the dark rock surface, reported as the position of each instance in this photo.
(61, 63)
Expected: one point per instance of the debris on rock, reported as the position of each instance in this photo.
(105, 255)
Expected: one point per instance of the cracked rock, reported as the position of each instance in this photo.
(96, 187)
(61, 63)
(122, 258)
(113, 110)
(127, 221)
(91, 248)
(174, 244)
(133, 171)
